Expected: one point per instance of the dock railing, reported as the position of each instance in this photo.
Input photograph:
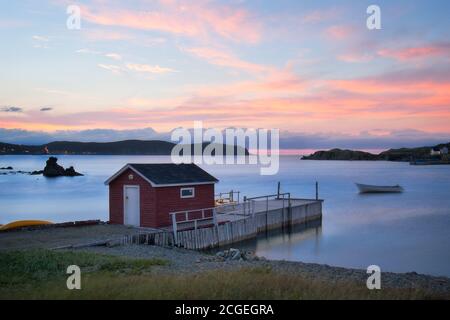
(194, 218)
(250, 203)
(228, 197)
(197, 218)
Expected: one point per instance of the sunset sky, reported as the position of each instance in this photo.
(310, 68)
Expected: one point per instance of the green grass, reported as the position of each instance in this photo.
(28, 269)
(40, 274)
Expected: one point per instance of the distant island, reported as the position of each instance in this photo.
(126, 147)
(434, 153)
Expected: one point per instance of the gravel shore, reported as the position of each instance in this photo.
(187, 261)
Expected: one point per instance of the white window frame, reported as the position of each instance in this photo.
(190, 188)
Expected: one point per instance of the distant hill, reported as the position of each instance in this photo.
(339, 154)
(126, 147)
(402, 154)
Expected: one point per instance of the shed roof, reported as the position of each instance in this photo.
(168, 174)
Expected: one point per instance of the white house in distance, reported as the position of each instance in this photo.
(437, 151)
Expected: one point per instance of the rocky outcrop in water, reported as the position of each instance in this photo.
(338, 154)
(53, 169)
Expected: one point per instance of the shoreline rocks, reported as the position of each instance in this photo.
(233, 254)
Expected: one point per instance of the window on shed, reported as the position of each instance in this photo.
(187, 192)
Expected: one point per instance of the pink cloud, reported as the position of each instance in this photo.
(225, 59)
(338, 32)
(191, 19)
(355, 57)
(403, 54)
(271, 84)
(345, 105)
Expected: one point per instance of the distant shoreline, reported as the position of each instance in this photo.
(420, 154)
(417, 155)
(125, 147)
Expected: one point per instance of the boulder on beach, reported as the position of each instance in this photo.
(53, 169)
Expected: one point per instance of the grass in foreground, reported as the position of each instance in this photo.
(40, 274)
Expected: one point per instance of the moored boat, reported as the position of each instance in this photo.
(367, 188)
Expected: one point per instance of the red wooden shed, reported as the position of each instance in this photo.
(144, 194)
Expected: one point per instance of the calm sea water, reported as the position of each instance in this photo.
(399, 232)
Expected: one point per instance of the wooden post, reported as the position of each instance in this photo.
(174, 227)
(245, 201)
(317, 190)
(253, 207)
(267, 212)
(289, 212)
(214, 217)
(278, 190)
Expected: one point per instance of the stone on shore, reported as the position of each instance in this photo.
(233, 254)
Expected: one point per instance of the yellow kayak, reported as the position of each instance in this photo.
(23, 223)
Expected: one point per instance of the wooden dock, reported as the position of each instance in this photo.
(232, 223)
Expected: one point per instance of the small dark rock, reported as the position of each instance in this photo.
(70, 172)
(6, 168)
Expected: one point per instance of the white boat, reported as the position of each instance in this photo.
(367, 188)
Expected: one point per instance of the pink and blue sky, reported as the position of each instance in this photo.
(310, 68)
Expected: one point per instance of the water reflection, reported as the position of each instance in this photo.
(286, 240)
